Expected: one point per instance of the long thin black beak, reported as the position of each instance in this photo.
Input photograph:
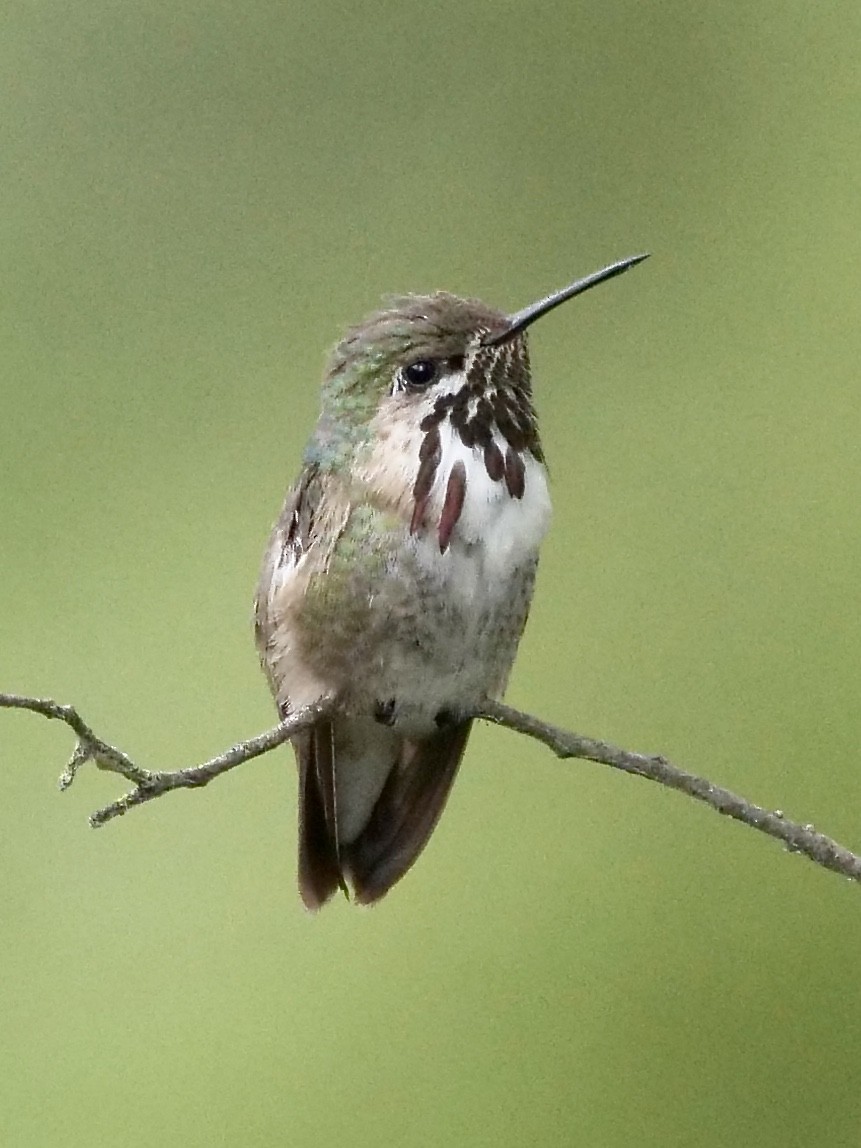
(520, 320)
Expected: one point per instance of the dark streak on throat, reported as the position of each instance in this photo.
(455, 494)
(495, 401)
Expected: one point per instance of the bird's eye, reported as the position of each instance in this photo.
(420, 374)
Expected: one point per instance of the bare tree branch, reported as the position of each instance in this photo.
(149, 784)
(797, 838)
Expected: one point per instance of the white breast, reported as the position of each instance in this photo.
(496, 534)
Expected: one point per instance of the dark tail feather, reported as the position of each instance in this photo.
(405, 814)
(319, 863)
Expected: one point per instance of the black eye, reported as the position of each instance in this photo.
(420, 373)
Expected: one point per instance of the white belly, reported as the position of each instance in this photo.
(484, 577)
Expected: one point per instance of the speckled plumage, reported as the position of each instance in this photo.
(386, 586)
(399, 575)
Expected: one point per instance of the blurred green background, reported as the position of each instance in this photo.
(196, 198)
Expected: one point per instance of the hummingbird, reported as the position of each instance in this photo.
(398, 578)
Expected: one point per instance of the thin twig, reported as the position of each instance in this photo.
(148, 785)
(796, 837)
